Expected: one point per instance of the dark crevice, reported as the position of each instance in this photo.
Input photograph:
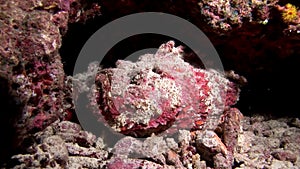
(8, 115)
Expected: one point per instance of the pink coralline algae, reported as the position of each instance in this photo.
(31, 64)
(162, 92)
(31, 69)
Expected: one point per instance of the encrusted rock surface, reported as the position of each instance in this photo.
(268, 143)
(31, 66)
(31, 70)
(62, 145)
(263, 143)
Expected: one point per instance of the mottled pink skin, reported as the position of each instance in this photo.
(184, 96)
(232, 95)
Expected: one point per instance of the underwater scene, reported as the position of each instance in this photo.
(141, 84)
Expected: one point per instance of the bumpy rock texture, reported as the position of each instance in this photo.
(263, 143)
(62, 145)
(268, 143)
(31, 66)
(31, 70)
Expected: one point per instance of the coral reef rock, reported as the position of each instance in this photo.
(62, 145)
(31, 70)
